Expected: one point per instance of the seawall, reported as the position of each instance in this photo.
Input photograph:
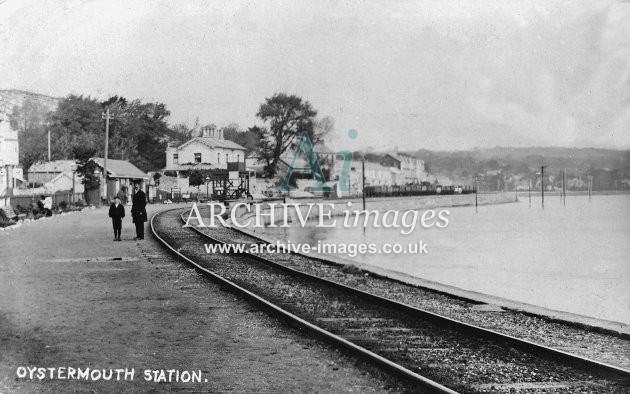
(379, 204)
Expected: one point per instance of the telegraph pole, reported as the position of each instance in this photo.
(49, 155)
(590, 187)
(529, 192)
(476, 192)
(363, 176)
(542, 185)
(106, 115)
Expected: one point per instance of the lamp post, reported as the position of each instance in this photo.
(107, 116)
(74, 172)
(97, 174)
(542, 185)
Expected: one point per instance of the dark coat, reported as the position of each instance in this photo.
(116, 212)
(138, 210)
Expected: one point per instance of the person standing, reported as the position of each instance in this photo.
(117, 212)
(138, 210)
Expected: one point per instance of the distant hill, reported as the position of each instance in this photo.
(554, 157)
(11, 97)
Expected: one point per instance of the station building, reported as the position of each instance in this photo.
(210, 151)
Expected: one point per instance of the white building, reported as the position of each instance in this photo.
(411, 168)
(379, 175)
(210, 151)
(45, 171)
(9, 157)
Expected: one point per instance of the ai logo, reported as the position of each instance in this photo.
(306, 145)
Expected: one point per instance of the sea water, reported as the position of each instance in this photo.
(573, 258)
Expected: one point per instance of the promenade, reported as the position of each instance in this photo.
(70, 297)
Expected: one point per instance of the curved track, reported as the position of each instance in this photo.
(418, 345)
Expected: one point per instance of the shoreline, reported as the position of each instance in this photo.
(582, 321)
(403, 203)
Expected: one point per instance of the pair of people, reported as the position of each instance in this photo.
(45, 205)
(138, 213)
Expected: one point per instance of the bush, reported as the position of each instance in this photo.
(22, 209)
(6, 222)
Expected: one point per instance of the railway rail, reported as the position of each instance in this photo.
(434, 352)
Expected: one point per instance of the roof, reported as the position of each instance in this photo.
(370, 165)
(401, 156)
(53, 166)
(214, 143)
(121, 168)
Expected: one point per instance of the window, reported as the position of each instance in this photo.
(197, 157)
(219, 157)
(175, 158)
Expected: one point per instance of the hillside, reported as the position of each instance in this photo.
(11, 97)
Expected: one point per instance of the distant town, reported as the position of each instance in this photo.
(51, 145)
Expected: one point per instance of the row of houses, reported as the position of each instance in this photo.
(61, 175)
(209, 151)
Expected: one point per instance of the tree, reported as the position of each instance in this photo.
(86, 169)
(288, 116)
(144, 132)
(323, 127)
(195, 178)
(248, 139)
(29, 120)
(77, 123)
(181, 132)
(138, 131)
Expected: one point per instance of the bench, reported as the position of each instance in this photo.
(10, 213)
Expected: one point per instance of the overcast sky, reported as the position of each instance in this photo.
(414, 74)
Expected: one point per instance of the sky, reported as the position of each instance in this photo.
(441, 75)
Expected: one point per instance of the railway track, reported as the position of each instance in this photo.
(433, 352)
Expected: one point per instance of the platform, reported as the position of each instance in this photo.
(70, 297)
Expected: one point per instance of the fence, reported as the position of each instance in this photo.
(57, 198)
(176, 196)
